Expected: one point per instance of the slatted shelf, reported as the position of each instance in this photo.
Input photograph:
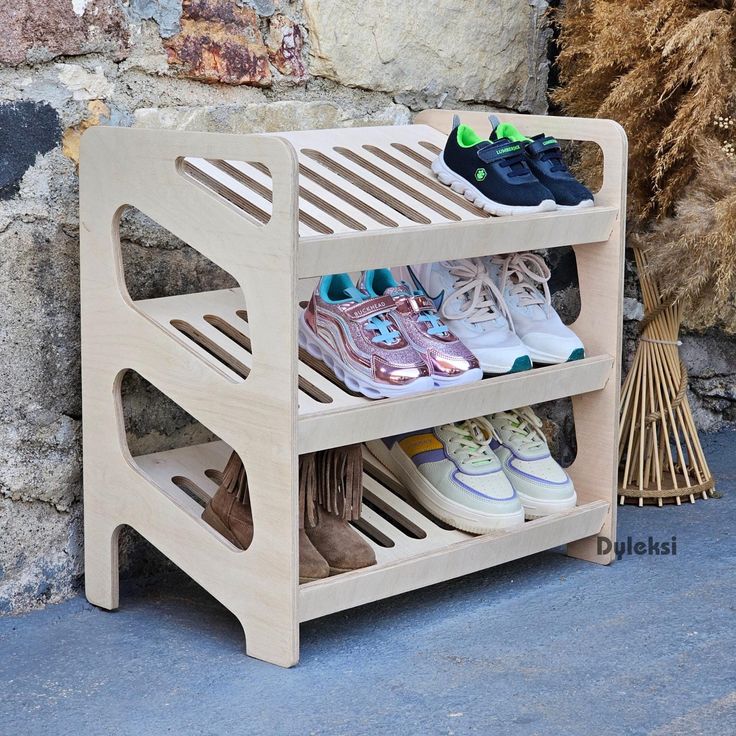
(365, 195)
(412, 546)
(216, 327)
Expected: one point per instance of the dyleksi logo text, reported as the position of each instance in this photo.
(630, 546)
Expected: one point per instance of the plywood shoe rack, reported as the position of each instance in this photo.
(276, 211)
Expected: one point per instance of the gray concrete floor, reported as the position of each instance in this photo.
(546, 645)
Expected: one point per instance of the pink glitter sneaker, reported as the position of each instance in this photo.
(450, 362)
(359, 338)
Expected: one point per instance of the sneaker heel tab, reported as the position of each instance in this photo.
(365, 282)
(494, 121)
(455, 121)
(322, 287)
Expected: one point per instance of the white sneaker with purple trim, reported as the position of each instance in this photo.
(453, 473)
(519, 443)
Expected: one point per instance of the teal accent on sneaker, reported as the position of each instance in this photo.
(522, 363)
(577, 354)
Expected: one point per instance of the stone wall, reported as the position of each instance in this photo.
(228, 65)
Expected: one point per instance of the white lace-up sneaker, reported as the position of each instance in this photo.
(519, 277)
(453, 473)
(542, 485)
(473, 308)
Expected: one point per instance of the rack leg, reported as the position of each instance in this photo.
(268, 610)
(276, 642)
(594, 469)
(594, 472)
(101, 571)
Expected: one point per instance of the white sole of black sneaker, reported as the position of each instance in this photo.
(462, 186)
(579, 206)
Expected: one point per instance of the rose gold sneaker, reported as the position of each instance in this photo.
(449, 361)
(359, 338)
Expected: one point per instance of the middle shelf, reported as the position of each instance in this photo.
(214, 326)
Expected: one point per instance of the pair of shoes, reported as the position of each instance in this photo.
(328, 545)
(483, 474)
(382, 338)
(508, 173)
(495, 306)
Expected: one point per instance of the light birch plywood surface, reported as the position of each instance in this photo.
(275, 211)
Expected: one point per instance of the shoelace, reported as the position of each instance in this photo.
(471, 440)
(386, 332)
(554, 155)
(524, 272)
(517, 165)
(437, 327)
(482, 300)
(385, 329)
(526, 427)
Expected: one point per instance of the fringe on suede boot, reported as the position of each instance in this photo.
(229, 513)
(336, 475)
(330, 496)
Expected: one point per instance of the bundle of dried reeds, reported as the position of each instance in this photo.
(660, 455)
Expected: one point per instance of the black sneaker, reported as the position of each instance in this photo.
(494, 175)
(544, 158)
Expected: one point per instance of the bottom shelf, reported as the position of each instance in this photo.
(412, 548)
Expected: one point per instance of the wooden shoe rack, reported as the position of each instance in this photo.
(276, 211)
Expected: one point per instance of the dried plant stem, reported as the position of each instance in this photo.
(659, 450)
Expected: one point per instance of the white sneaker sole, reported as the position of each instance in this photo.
(549, 359)
(535, 508)
(502, 360)
(355, 381)
(579, 206)
(471, 376)
(461, 517)
(462, 186)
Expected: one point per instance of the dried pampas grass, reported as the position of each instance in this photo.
(692, 255)
(665, 70)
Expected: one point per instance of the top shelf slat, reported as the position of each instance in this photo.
(367, 198)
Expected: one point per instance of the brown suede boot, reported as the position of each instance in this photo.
(333, 497)
(228, 511)
(339, 544)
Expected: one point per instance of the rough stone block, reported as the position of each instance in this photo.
(40, 555)
(268, 117)
(39, 31)
(219, 42)
(97, 112)
(262, 7)
(285, 47)
(26, 129)
(475, 50)
(166, 13)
